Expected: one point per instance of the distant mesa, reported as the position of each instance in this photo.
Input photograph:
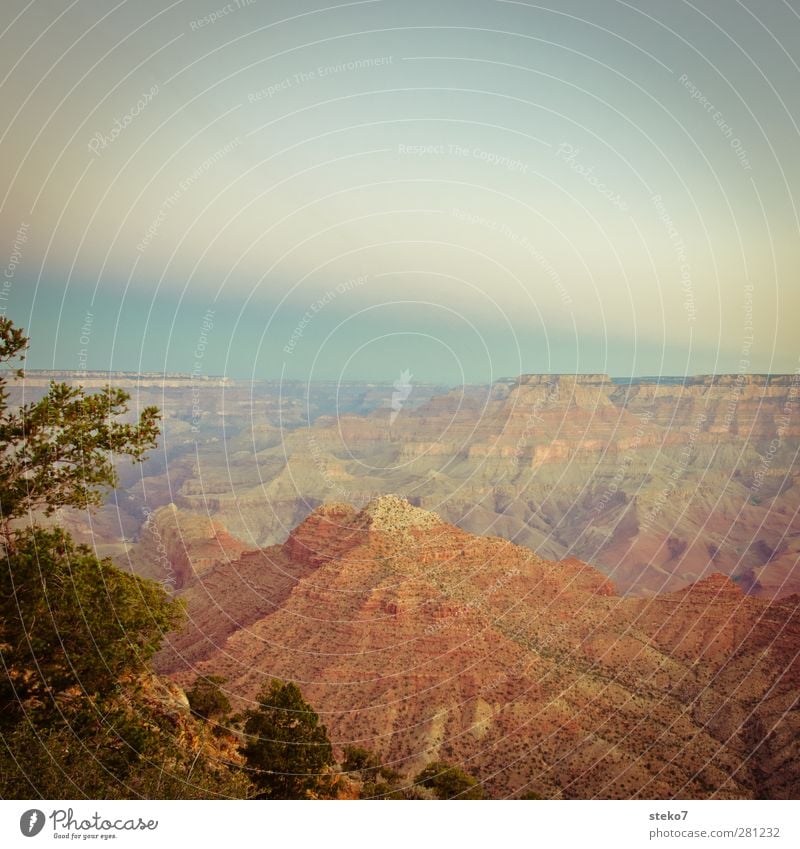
(566, 378)
(32, 373)
(722, 379)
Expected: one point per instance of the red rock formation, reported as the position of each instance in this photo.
(421, 641)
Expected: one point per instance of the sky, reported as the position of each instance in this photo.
(467, 190)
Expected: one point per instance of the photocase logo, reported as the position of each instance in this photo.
(31, 822)
(66, 825)
(402, 389)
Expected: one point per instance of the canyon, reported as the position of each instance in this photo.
(569, 585)
(655, 482)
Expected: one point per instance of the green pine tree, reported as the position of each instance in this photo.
(287, 747)
(81, 712)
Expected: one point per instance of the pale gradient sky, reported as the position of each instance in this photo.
(525, 237)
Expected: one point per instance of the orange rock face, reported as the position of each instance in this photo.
(421, 641)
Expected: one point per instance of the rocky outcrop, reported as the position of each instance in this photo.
(327, 533)
(392, 514)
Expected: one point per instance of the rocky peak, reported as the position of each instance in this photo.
(334, 529)
(393, 513)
